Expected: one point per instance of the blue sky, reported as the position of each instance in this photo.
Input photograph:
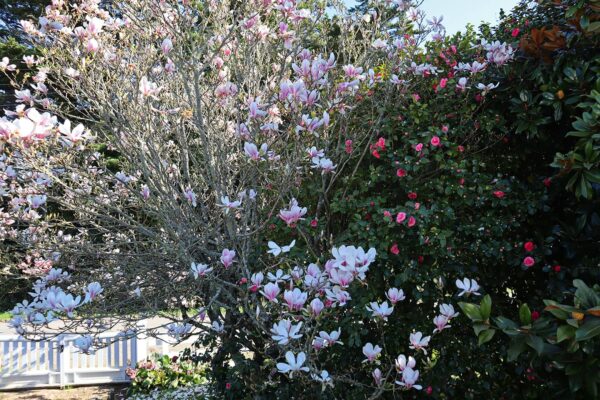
(457, 13)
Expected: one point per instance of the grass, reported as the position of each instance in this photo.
(4, 316)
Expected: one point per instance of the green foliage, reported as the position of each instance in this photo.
(565, 337)
(165, 373)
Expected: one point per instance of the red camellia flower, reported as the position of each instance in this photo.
(411, 222)
(429, 390)
(412, 195)
(401, 173)
(499, 194)
(228, 386)
(528, 261)
(515, 32)
(529, 246)
(547, 182)
(535, 315)
(556, 268)
(394, 249)
(314, 223)
(420, 259)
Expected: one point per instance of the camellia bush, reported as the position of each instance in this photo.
(158, 142)
(313, 193)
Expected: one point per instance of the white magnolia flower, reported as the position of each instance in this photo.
(382, 310)
(409, 378)
(468, 286)
(284, 331)
(276, 250)
(418, 342)
(294, 363)
(371, 352)
(199, 269)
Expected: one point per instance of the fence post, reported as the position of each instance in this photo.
(141, 343)
(62, 361)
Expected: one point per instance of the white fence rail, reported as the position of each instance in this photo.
(57, 362)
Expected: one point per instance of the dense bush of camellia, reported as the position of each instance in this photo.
(336, 204)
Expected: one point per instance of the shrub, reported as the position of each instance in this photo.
(164, 373)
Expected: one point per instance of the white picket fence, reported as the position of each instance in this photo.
(58, 363)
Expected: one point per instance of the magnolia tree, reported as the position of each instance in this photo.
(157, 142)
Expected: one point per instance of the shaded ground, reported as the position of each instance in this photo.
(104, 392)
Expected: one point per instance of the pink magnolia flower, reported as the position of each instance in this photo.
(371, 352)
(256, 279)
(271, 291)
(292, 215)
(227, 257)
(295, 299)
(316, 306)
(377, 376)
(166, 46)
(395, 295)
(418, 342)
(441, 323)
(402, 362)
(92, 45)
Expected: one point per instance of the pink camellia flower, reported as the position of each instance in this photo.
(419, 147)
(400, 217)
(387, 214)
(227, 257)
(443, 82)
(435, 141)
(411, 222)
(417, 205)
(461, 149)
(445, 128)
(529, 246)
(416, 97)
(314, 223)
(394, 249)
(528, 261)
(499, 194)
(515, 32)
(401, 173)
